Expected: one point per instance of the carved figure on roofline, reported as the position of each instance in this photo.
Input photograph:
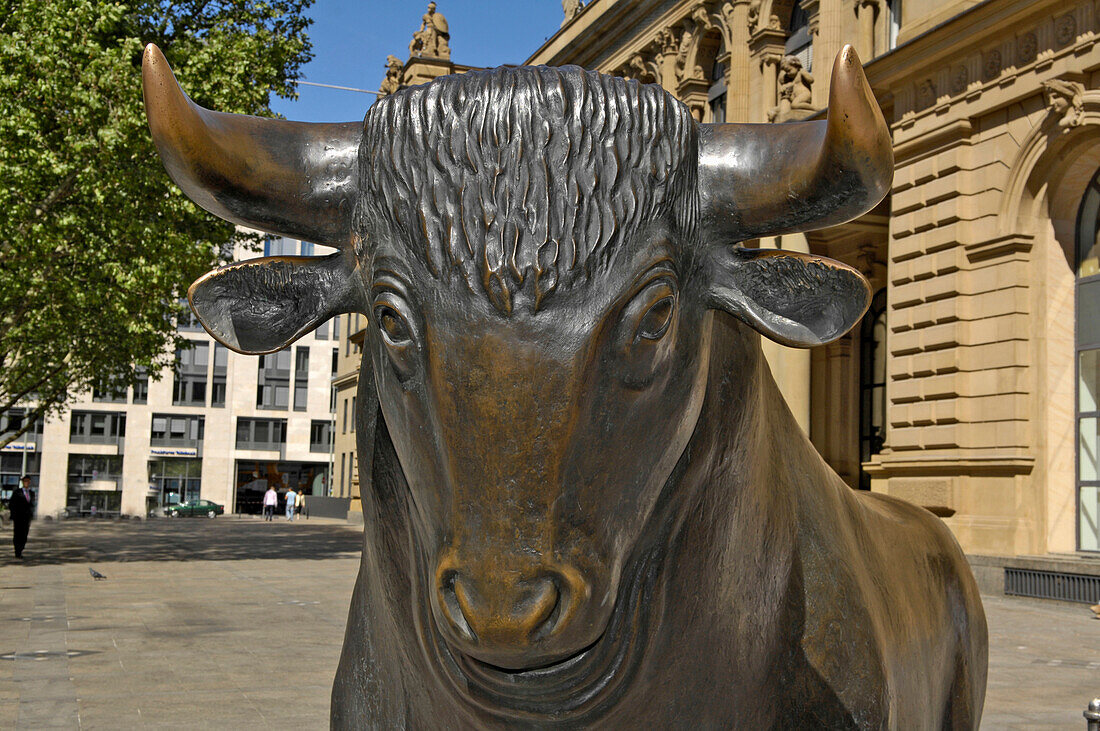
(795, 91)
(571, 8)
(585, 502)
(394, 69)
(432, 38)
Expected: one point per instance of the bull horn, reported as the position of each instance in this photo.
(771, 179)
(293, 179)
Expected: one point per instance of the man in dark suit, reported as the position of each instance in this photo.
(21, 506)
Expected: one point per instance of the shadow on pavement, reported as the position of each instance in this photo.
(194, 539)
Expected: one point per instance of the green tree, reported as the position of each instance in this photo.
(98, 245)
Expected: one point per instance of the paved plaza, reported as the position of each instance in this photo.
(237, 623)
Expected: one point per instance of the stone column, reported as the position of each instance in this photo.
(765, 52)
(790, 366)
(865, 15)
(735, 16)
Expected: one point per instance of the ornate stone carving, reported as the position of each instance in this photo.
(571, 8)
(754, 14)
(992, 65)
(1064, 101)
(1026, 48)
(795, 91)
(1065, 29)
(433, 37)
(774, 23)
(926, 93)
(392, 82)
(960, 77)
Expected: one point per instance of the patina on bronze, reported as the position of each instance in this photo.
(586, 502)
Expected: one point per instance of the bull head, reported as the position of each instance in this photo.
(535, 440)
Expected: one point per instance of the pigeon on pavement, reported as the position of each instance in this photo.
(96, 575)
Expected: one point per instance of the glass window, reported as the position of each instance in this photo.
(301, 377)
(141, 385)
(799, 44)
(269, 434)
(872, 383)
(320, 436)
(189, 385)
(1088, 366)
(321, 333)
(893, 20)
(96, 427)
(273, 382)
(218, 380)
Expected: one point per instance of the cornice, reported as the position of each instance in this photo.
(954, 37)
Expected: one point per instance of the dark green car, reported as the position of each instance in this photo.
(194, 508)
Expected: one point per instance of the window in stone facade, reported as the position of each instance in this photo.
(218, 382)
(269, 434)
(716, 95)
(799, 44)
(96, 427)
(273, 384)
(301, 377)
(872, 384)
(1088, 369)
(893, 23)
(176, 430)
(189, 387)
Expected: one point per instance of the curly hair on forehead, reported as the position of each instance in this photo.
(518, 174)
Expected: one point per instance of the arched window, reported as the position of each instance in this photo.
(798, 37)
(872, 383)
(1088, 369)
(716, 95)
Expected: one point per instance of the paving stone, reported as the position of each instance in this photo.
(237, 623)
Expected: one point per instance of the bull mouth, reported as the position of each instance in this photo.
(585, 683)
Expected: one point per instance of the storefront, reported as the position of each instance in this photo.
(94, 485)
(175, 476)
(253, 479)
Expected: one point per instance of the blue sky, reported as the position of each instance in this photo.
(351, 39)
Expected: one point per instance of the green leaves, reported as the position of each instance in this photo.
(98, 245)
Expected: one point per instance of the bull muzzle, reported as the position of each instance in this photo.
(511, 617)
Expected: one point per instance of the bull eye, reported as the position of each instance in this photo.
(655, 321)
(392, 324)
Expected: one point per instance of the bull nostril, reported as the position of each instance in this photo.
(537, 611)
(454, 595)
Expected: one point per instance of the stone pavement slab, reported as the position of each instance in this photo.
(238, 623)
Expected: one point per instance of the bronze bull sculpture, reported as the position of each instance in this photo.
(586, 502)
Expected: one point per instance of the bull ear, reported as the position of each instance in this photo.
(794, 299)
(263, 305)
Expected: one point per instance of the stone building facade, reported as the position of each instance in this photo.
(971, 388)
(972, 385)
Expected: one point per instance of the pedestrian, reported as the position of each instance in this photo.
(21, 506)
(271, 499)
(291, 501)
(301, 506)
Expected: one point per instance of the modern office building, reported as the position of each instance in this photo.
(219, 426)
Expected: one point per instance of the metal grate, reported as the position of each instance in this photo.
(1052, 585)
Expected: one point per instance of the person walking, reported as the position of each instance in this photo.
(291, 502)
(21, 506)
(271, 499)
(301, 506)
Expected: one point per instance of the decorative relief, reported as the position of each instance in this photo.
(754, 14)
(1026, 49)
(960, 77)
(774, 23)
(1065, 29)
(926, 93)
(795, 91)
(992, 65)
(1064, 100)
